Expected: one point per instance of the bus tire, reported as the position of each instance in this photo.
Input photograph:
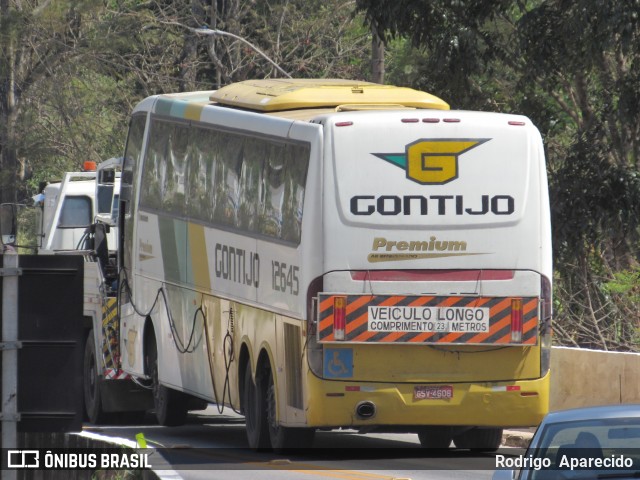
(480, 439)
(255, 411)
(91, 383)
(170, 405)
(284, 438)
(435, 437)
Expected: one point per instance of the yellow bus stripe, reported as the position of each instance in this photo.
(193, 112)
(198, 250)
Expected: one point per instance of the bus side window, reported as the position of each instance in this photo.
(153, 176)
(230, 162)
(199, 172)
(132, 159)
(273, 192)
(176, 166)
(250, 184)
(214, 180)
(296, 165)
(131, 163)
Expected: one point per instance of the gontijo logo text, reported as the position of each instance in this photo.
(432, 162)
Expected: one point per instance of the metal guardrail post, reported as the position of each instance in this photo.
(9, 347)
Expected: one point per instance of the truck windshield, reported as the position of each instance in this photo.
(76, 212)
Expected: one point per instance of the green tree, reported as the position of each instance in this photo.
(573, 66)
(71, 71)
(35, 39)
(56, 109)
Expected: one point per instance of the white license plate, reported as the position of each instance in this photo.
(433, 392)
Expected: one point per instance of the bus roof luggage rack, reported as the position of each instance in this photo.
(273, 95)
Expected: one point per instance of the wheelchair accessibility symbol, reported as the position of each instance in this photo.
(338, 362)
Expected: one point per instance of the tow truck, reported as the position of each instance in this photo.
(77, 216)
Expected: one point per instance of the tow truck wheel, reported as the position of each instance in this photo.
(255, 411)
(170, 405)
(91, 383)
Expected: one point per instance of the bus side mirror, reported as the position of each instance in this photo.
(8, 224)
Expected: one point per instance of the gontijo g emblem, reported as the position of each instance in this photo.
(432, 161)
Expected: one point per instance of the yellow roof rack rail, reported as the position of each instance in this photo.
(272, 95)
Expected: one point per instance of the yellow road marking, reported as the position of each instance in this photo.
(318, 470)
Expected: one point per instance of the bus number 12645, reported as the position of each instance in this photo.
(284, 278)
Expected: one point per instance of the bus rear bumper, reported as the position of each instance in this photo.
(496, 404)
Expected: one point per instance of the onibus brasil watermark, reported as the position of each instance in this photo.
(77, 459)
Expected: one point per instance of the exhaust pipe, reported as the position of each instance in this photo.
(365, 410)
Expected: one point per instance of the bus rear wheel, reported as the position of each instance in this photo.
(435, 437)
(284, 438)
(170, 405)
(255, 411)
(480, 439)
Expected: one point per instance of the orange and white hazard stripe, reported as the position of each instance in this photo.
(428, 319)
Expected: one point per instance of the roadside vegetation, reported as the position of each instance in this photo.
(71, 71)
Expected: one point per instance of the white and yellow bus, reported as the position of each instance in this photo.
(329, 253)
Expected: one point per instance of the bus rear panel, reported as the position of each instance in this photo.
(434, 305)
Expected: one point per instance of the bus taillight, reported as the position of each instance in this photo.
(545, 325)
(339, 316)
(516, 320)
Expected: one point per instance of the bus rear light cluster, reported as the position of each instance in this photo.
(516, 320)
(339, 317)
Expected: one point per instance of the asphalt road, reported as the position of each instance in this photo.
(213, 446)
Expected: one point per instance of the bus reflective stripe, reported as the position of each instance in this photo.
(391, 301)
(179, 108)
(198, 252)
(498, 326)
(397, 335)
(529, 325)
(451, 301)
(169, 249)
(362, 319)
(421, 337)
(428, 319)
(192, 112)
(529, 307)
(351, 307)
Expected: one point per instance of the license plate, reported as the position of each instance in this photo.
(433, 392)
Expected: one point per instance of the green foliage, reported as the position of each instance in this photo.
(82, 66)
(573, 66)
(595, 201)
(75, 70)
(625, 282)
